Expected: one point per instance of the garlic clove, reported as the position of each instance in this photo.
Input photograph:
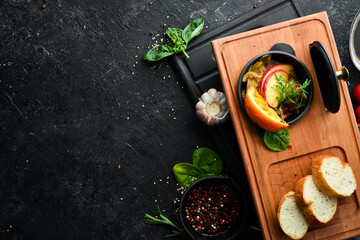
(212, 107)
(200, 111)
(214, 94)
(206, 98)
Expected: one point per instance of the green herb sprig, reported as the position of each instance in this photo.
(205, 163)
(292, 93)
(177, 232)
(179, 41)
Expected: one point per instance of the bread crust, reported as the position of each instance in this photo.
(306, 204)
(319, 177)
(302, 202)
(281, 202)
(299, 192)
(309, 214)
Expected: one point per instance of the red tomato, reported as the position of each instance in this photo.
(356, 93)
(357, 114)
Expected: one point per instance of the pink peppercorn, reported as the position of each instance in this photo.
(213, 208)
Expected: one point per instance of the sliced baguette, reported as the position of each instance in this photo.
(317, 207)
(290, 217)
(333, 177)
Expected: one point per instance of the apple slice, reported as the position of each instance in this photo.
(267, 76)
(284, 67)
(272, 95)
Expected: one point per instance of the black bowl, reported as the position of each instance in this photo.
(236, 226)
(285, 54)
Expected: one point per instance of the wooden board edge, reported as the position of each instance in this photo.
(255, 191)
(320, 16)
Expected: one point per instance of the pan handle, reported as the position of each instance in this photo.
(284, 47)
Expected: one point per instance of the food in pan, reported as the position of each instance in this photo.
(277, 86)
(259, 111)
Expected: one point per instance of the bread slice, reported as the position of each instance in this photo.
(333, 177)
(290, 217)
(317, 207)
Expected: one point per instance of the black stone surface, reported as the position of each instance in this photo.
(89, 131)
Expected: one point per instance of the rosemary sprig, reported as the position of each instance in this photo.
(292, 93)
(179, 232)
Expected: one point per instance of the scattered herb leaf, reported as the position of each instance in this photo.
(208, 161)
(187, 173)
(179, 40)
(277, 141)
(193, 29)
(159, 52)
(179, 232)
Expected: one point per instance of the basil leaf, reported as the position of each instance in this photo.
(175, 34)
(193, 29)
(277, 141)
(186, 173)
(208, 161)
(179, 48)
(158, 52)
(180, 38)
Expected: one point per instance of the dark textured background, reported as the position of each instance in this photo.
(89, 131)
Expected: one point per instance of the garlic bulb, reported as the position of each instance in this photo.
(212, 107)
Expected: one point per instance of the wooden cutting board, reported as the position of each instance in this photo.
(272, 174)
